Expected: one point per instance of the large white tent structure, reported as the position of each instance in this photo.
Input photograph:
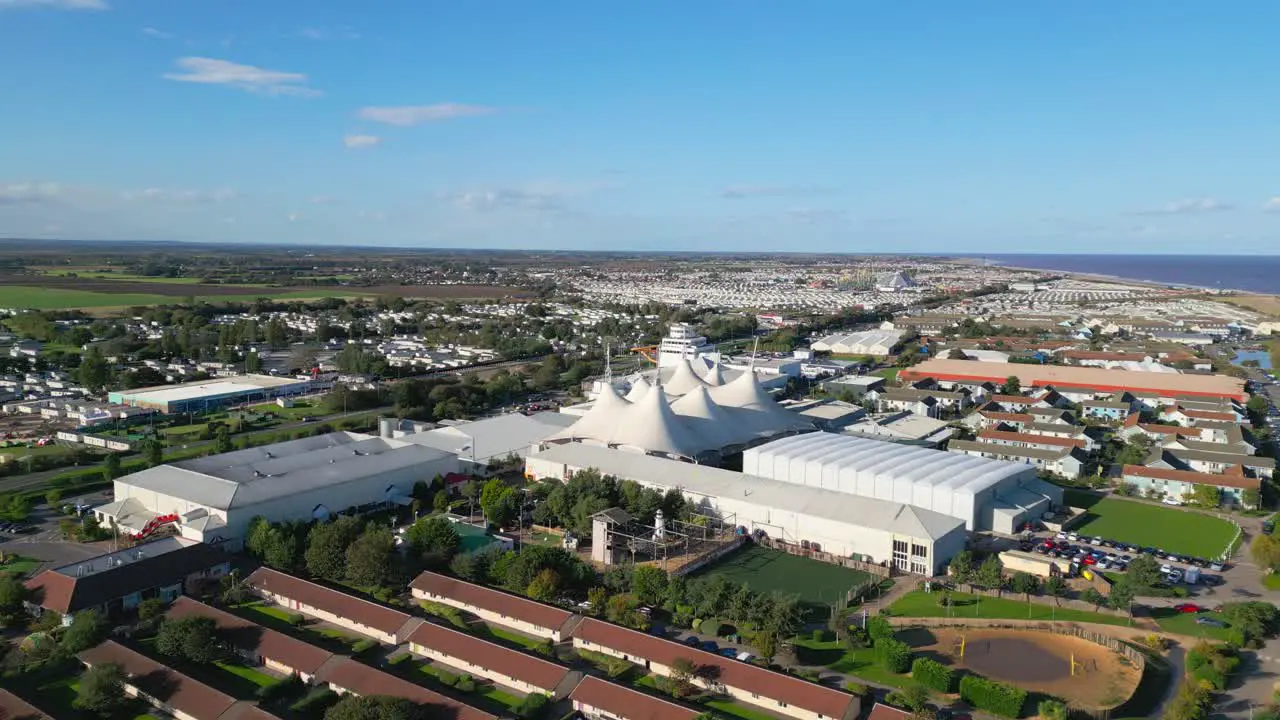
(985, 494)
(685, 417)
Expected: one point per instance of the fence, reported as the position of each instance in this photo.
(712, 556)
(880, 571)
(1048, 600)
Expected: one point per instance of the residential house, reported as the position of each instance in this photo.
(344, 675)
(1067, 462)
(273, 650)
(509, 668)
(600, 700)
(500, 608)
(1181, 484)
(1105, 410)
(168, 690)
(382, 623)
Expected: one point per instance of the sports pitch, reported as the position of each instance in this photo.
(1149, 525)
(768, 570)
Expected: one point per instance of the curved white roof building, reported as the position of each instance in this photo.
(985, 494)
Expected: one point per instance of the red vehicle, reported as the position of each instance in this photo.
(1188, 608)
(1090, 560)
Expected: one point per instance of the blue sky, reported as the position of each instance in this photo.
(850, 125)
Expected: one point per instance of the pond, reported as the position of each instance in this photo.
(1262, 356)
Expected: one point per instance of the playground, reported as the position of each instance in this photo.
(1039, 662)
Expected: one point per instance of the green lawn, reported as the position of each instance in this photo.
(270, 611)
(300, 409)
(766, 570)
(738, 710)
(39, 298)
(256, 677)
(1272, 581)
(1137, 523)
(515, 638)
(18, 565)
(1172, 621)
(56, 698)
(922, 604)
(860, 663)
(889, 374)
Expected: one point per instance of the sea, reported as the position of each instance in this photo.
(1252, 273)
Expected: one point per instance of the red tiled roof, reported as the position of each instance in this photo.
(1209, 415)
(369, 614)
(775, 686)
(1169, 430)
(1007, 417)
(1233, 480)
(288, 651)
(1099, 379)
(884, 712)
(1101, 355)
(535, 613)
(161, 682)
(361, 679)
(626, 703)
(1031, 439)
(512, 663)
(1011, 399)
(13, 707)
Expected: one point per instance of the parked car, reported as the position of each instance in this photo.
(691, 641)
(1175, 576)
(1090, 560)
(1188, 608)
(1172, 501)
(1217, 566)
(1210, 622)
(709, 646)
(729, 652)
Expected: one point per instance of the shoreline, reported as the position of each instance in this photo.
(1101, 277)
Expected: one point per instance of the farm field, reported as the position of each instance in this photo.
(1179, 531)
(765, 570)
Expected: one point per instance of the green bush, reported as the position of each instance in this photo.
(933, 675)
(533, 706)
(295, 619)
(892, 655)
(995, 697)
(857, 689)
(446, 677)
(819, 635)
(397, 659)
(465, 684)
(711, 626)
(878, 627)
(1212, 665)
(363, 646)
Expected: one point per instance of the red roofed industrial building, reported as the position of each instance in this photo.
(1099, 380)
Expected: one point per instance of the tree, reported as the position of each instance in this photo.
(433, 537)
(94, 370)
(12, 595)
(369, 557)
(193, 638)
(327, 544)
(1143, 572)
(961, 567)
(471, 491)
(499, 503)
(111, 467)
(150, 609)
(1206, 496)
(222, 439)
(1093, 597)
(1025, 583)
(1051, 710)
(1251, 498)
(101, 690)
(596, 598)
(544, 585)
(1055, 587)
(375, 707)
(1265, 550)
(1012, 385)
(252, 363)
(88, 628)
(649, 583)
(441, 501)
(1121, 596)
(913, 698)
(989, 574)
(155, 452)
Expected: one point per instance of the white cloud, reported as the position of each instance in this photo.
(54, 4)
(210, 71)
(410, 115)
(157, 34)
(1272, 205)
(28, 192)
(1190, 206)
(360, 141)
(508, 199)
(193, 197)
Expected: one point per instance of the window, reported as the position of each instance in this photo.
(919, 550)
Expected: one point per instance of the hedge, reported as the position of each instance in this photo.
(933, 675)
(878, 627)
(712, 627)
(996, 697)
(893, 655)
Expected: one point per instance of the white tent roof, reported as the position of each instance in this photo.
(650, 425)
(744, 393)
(602, 419)
(639, 387)
(709, 419)
(683, 379)
(714, 376)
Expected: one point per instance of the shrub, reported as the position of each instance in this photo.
(295, 619)
(446, 677)
(893, 655)
(446, 612)
(1211, 665)
(878, 627)
(995, 697)
(857, 689)
(819, 635)
(363, 646)
(933, 675)
(397, 659)
(465, 684)
(277, 691)
(533, 706)
(711, 627)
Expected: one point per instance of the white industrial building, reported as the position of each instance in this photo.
(494, 439)
(984, 494)
(912, 539)
(869, 342)
(212, 499)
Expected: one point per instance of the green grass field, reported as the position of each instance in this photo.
(860, 663)
(1172, 621)
(923, 604)
(256, 677)
(18, 565)
(769, 570)
(889, 374)
(1178, 531)
(38, 298)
